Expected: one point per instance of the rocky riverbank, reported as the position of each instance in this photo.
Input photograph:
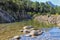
(52, 19)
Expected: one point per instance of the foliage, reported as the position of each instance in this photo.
(17, 8)
(28, 6)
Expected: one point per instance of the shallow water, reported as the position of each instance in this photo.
(49, 35)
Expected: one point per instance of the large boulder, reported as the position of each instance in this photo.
(58, 20)
(53, 19)
(12, 17)
(5, 17)
(42, 18)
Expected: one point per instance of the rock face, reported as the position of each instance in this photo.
(5, 17)
(53, 19)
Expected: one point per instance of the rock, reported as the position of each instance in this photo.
(41, 18)
(5, 17)
(53, 19)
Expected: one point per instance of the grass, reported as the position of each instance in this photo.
(9, 30)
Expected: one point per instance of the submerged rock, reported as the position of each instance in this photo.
(52, 34)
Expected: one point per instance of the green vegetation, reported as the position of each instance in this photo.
(19, 8)
(9, 30)
(57, 9)
(16, 8)
(26, 6)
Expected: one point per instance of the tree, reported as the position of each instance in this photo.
(35, 6)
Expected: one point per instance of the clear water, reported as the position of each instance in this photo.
(52, 34)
